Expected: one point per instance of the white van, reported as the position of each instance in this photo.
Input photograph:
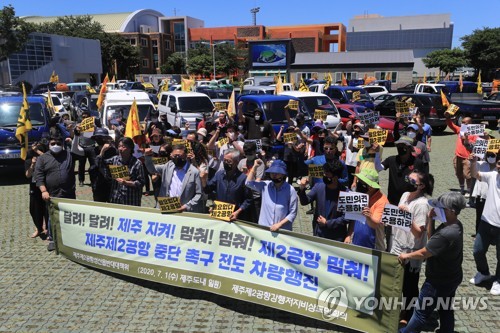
(313, 100)
(78, 86)
(181, 107)
(117, 105)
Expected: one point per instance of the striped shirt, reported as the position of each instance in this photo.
(127, 195)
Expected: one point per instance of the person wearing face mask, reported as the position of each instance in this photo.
(419, 148)
(55, 176)
(179, 178)
(331, 153)
(489, 228)
(369, 234)
(126, 191)
(367, 157)
(352, 149)
(279, 199)
(202, 135)
(327, 222)
(100, 177)
(232, 135)
(250, 148)
(256, 126)
(228, 185)
(403, 241)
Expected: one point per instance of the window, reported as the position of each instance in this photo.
(145, 63)
(168, 47)
(171, 102)
(306, 75)
(133, 41)
(144, 42)
(348, 76)
(154, 42)
(383, 75)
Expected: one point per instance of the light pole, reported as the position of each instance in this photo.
(213, 45)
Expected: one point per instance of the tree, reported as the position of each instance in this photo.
(228, 59)
(175, 63)
(482, 49)
(13, 32)
(113, 46)
(446, 60)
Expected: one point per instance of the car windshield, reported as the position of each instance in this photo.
(363, 95)
(56, 101)
(113, 112)
(9, 112)
(275, 111)
(195, 104)
(318, 102)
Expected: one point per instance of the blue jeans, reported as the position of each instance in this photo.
(486, 235)
(427, 301)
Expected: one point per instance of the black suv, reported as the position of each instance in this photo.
(429, 105)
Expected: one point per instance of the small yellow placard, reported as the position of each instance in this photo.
(289, 137)
(159, 160)
(452, 109)
(376, 135)
(222, 210)
(220, 106)
(119, 171)
(184, 142)
(356, 95)
(361, 143)
(169, 204)
(320, 114)
(315, 171)
(293, 104)
(222, 142)
(493, 145)
(87, 124)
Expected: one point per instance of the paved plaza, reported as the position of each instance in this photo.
(43, 292)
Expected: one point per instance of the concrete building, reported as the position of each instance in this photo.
(73, 59)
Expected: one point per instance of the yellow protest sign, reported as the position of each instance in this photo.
(356, 95)
(222, 210)
(320, 114)
(493, 145)
(289, 137)
(376, 135)
(183, 142)
(361, 143)
(293, 104)
(87, 124)
(160, 160)
(452, 109)
(315, 171)
(119, 171)
(220, 106)
(169, 204)
(222, 142)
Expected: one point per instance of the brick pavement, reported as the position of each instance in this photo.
(42, 292)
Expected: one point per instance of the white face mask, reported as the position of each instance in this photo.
(231, 136)
(491, 160)
(240, 127)
(411, 134)
(56, 149)
(200, 138)
(257, 117)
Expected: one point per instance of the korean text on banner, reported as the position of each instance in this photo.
(472, 129)
(480, 148)
(368, 118)
(169, 204)
(315, 171)
(222, 210)
(352, 204)
(378, 136)
(494, 145)
(119, 171)
(397, 218)
(283, 270)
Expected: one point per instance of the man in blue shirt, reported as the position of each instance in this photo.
(331, 153)
(279, 199)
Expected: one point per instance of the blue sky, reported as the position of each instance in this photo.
(466, 15)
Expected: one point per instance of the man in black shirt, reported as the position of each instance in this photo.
(256, 126)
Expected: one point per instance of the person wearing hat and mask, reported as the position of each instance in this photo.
(202, 135)
(231, 132)
(100, 178)
(228, 185)
(371, 233)
(443, 270)
(489, 228)
(279, 199)
(266, 154)
(256, 127)
(419, 148)
(367, 157)
(161, 123)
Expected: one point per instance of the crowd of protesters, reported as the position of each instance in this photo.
(259, 180)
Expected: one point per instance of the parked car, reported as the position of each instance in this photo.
(346, 94)
(430, 105)
(182, 107)
(384, 97)
(42, 87)
(257, 90)
(375, 91)
(409, 88)
(493, 96)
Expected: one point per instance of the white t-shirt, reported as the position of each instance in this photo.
(481, 187)
(491, 212)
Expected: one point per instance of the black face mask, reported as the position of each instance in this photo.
(327, 180)
(361, 187)
(276, 180)
(179, 162)
(227, 167)
(162, 153)
(402, 151)
(357, 133)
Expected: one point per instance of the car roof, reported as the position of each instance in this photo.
(183, 93)
(296, 93)
(15, 99)
(266, 98)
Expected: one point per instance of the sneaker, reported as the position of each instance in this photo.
(495, 288)
(51, 246)
(479, 278)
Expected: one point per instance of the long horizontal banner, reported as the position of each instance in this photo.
(305, 275)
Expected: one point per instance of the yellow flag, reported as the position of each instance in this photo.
(231, 106)
(54, 78)
(303, 86)
(425, 78)
(102, 92)
(187, 84)
(90, 89)
(279, 86)
(23, 125)
(365, 78)
(479, 86)
(50, 102)
(444, 100)
(447, 77)
(344, 80)
(438, 78)
(133, 127)
(113, 79)
(461, 82)
(328, 78)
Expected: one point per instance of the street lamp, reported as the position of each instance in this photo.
(213, 45)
